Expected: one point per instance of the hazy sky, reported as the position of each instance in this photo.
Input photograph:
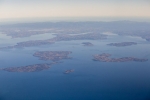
(74, 8)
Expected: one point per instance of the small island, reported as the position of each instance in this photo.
(29, 68)
(122, 44)
(87, 44)
(52, 55)
(105, 57)
(69, 71)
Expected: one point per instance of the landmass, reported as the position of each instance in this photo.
(29, 44)
(127, 28)
(52, 55)
(122, 44)
(26, 31)
(29, 68)
(87, 44)
(59, 37)
(67, 31)
(87, 36)
(105, 57)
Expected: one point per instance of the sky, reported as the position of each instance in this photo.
(73, 8)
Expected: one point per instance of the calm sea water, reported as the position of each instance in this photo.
(91, 80)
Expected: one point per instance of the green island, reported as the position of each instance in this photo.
(122, 44)
(105, 57)
(29, 68)
(52, 55)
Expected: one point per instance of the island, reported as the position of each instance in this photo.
(122, 44)
(105, 57)
(69, 71)
(29, 68)
(52, 55)
(87, 44)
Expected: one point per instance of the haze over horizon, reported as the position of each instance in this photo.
(17, 9)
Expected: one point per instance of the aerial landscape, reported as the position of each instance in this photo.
(64, 51)
(74, 50)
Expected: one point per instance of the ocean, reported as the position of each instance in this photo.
(91, 80)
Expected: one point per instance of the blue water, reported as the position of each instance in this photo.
(91, 80)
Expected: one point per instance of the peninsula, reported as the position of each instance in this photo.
(59, 37)
(31, 43)
(105, 57)
(52, 55)
(122, 44)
